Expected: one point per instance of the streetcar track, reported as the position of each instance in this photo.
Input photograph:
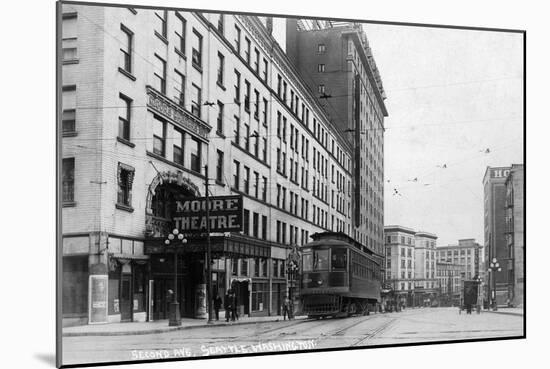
(376, 332)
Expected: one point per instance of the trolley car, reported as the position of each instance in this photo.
(338, 277)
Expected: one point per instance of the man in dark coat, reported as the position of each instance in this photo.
(226, 306)
(217, 305)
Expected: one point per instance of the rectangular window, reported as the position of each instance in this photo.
(257, 61)
(159, 131)
(246, 225)
(219, 125)
(180, 33)
(238, 39)
(69, 41)
(265, 113)
(160, 23)
(178, 146)
(68, 179)
(265, 70)
(321, 89)
(247, 137)
(179, 88)
(257, 105)
(236, 170)
(221, 62)
(160, 74)
(221, 24)
(247, 50)
(256, 184)
(321, 48)
(196, 101)
(69, 120)
(125, 180)
(246, 180)
(196, 56)
(264, 149)
(124, 118)
(219, 166)
(255, 224)
(237, 130)
(126, 49)
(244, 262)
(237, 87)
(195, 151)
(264, 227)
(320, 68)
(256, 144)
(68, 104)
(264, 189)
(247, 96)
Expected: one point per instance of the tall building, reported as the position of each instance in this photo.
(150, 98)
(399, 268)
(514, 231)
(410, 265)
(337, 64)
(425, 284)
(499, 283)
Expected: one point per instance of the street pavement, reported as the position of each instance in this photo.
(408, 326)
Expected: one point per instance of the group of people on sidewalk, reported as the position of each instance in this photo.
(230, 306)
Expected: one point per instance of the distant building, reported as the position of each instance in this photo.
(514, 232)
(425, 283)
(400, 261)
(496, 241)
(410, 264)
(467, 253)
(448, 277)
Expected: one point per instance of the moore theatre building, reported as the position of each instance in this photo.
(149, 100)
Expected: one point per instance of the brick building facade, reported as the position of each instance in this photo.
(149, 99)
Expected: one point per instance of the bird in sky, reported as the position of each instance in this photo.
(486, 151)
(395, 192)
(426, 184)
(413, 180)
(444, 166)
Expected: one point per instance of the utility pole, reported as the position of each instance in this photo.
(208, 255)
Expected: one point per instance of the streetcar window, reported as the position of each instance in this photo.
(320, 260)
(307, 262)
(338, 260)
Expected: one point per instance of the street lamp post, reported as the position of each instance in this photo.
(174, 316)
(494, 267)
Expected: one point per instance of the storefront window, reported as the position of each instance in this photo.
(140, 284)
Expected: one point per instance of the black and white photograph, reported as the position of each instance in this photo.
(239, 184)
(274, 185)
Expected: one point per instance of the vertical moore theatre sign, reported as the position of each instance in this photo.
(225, 214)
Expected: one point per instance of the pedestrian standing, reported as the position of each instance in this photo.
(217, 305)
(286, 306)
(226, 306)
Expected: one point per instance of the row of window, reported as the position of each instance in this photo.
(281, 234)
(246, 180)
(125, 179)
(257, 267)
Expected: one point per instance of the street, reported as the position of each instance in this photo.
(410, 325)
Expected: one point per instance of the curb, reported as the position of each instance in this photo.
(506, 313)
(163, 330)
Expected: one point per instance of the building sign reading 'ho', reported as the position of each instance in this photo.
(225, 214)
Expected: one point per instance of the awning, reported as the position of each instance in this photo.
(232, 246)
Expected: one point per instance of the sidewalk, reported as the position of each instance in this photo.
(160, 326)
(507, 310)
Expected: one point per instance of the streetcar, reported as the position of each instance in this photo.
(338, 278)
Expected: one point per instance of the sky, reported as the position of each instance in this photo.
(451, 95)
